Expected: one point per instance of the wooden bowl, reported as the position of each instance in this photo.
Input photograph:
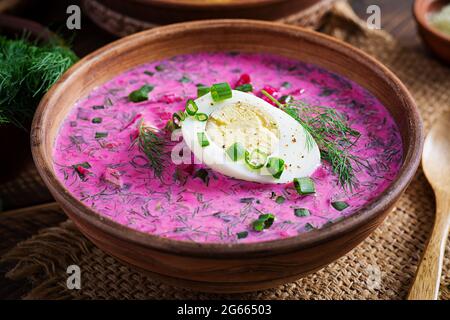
(437, 41)
(227, 267)
(120, 17)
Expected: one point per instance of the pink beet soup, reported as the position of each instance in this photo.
(96, 160)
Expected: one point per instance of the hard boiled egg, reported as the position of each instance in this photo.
(244, 133)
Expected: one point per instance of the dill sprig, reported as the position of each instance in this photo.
(27, 71)
(333, 135)
(152, 144)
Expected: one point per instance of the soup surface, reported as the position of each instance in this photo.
(96, 159)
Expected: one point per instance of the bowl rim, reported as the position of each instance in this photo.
(205, 5)
(420, 17)
(369, 212)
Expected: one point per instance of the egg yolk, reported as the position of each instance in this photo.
(245, 124)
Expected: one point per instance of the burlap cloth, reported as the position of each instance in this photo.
(381, 267)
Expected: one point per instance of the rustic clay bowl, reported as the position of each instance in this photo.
(222, 267)
(123, 17)
(169, 11)
(437, 41)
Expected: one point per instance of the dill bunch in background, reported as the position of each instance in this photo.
(27, 71)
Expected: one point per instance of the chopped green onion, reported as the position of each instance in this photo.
(302, 212)
(221, 91)
(275, 166)
(304, 186)
(171, 126)
(264, 221)
(236, 151)
(258, 225)
(245, 88)
(140, 94)
(203, 175)
(201, 117)
(286, 99)
(149, 73)
(280, 199)
(340, 205)
(185, 79)
(202, 90)
(97, 120)
(202, 139)
(98, 107)
(286, 85)
(100, 135)
(160, 67)
(309, 227)
(242, 235)
(255, 159)
(85, 165)
(178, 117)
(191, 107)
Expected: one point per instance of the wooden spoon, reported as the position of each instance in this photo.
(436, 165)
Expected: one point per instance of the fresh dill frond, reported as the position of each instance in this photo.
(333, 135)
(152, 144)
(27, 71)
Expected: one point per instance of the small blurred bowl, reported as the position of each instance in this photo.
(14, 139)
(437, 41)
(124, 17)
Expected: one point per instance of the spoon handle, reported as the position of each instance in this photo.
(426, 281)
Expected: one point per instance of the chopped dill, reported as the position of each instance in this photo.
(27, 71)
(152, 144)
(332, 133)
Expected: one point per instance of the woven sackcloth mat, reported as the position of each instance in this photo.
(382, 267)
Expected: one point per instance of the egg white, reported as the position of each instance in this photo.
(300, 159)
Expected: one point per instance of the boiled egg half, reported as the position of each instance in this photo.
(247, 138)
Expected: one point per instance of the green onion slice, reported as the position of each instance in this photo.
(202, 139)
(304, 186)
(85, 165)
(264, 221)
(242, 234)
(221, 91)
(100, 135)
(191, 107)
(285, 99)
(255, 159)
(258, 225)
(201, 117)
(245, 88)
(302, 212)
(171, 126)
(97, 120)
(140, 94)
(202, 90)
(280, 199)
(275, 166)
(236, 151)
(178, 117)
(340, 205)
